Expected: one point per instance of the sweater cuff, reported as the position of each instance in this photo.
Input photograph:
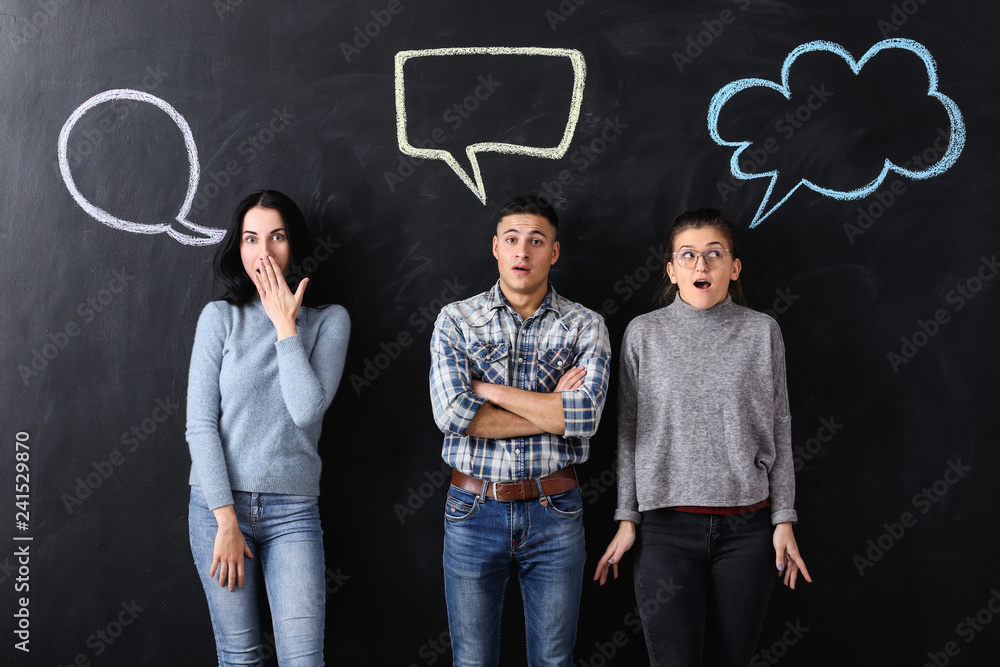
(628, 515)
(783, 516)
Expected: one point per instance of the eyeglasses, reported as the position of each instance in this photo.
(688, 259)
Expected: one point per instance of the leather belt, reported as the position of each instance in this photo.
(558, 482)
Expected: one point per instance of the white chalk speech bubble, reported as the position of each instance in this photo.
(209, 236)
(475, 183)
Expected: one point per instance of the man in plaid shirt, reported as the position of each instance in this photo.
(518, 380)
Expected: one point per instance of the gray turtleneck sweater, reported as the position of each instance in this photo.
(703, 412)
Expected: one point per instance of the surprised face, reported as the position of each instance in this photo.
(703, 286)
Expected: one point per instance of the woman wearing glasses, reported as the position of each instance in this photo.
(705, 476)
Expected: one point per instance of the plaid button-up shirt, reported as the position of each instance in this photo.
(483, 338)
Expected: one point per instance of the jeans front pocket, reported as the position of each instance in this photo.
(568, 504)
(460, 504)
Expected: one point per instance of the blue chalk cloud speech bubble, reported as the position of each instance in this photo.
(955, 144)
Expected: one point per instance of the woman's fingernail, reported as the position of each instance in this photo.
(780, 567)
(611, 560)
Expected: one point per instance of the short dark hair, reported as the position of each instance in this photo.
(529, 204)
(703, 217)
(236, 286)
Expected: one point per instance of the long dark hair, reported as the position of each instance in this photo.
(235, 285)
(703, 217)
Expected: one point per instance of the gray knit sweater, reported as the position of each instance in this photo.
(255, 404)
(703, 412)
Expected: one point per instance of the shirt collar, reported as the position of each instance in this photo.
(496, 299)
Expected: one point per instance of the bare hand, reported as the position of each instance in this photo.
(279, 303)
(227, 555)
(571, 379)
(788, 560)
(622, 542)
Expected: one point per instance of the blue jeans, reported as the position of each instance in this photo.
(702, 582)
(284, 535)
(484, 540)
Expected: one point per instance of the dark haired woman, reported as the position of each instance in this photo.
(704, 457)
(264, 369)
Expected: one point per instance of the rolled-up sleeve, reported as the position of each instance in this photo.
(452, 399)
(582, 407)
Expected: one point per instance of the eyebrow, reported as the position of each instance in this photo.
(709, 243)
(514, 230)
(250, 231)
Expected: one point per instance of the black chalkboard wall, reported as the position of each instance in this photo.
(887, 301)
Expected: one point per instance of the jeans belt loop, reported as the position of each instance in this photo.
(482, 494)
(542, 498)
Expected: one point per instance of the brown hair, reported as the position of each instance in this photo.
(703, 217)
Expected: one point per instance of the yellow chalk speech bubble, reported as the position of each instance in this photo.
(475, 182)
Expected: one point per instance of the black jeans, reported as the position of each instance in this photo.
(702, 582)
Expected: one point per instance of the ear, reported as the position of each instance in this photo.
(670, 273)
(737, 267)
(495, 241)
(555, 253)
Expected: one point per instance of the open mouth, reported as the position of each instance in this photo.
(521, 270)
(702, 284)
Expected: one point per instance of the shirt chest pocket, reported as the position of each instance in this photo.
(489, 362)
(552, 364)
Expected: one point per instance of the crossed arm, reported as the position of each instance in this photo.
(463, 405)
(513, 413)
